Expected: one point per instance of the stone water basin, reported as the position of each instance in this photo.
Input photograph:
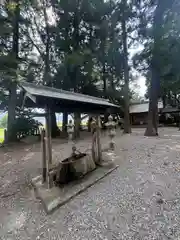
(73, 168)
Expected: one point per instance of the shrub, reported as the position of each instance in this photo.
(25, 125)
(3, 121)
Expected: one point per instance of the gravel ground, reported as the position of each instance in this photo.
(140, 200)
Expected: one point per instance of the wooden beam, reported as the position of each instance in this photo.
(48, 145)
(43, 149)
(98, 135)
(33, 98)
(38, 114)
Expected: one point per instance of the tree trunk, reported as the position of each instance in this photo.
(46, 78)
(77, 123)
(11, 131)
(104, 80)
(127, 126)
(54, 128)
(75, 75)
(152, 129)
(164, 100)
(156, 120)
(65, 122)
(89, 123)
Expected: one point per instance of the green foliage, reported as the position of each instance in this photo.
(70, 44)
(25, 124)
(3, 121)
(167, 52)
(1, 135)
(88, 44)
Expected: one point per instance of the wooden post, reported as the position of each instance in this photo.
(43, 149)
(5, 135)
(93, 150)
(48, 145)
(48, 135)
(94, 138)
(99, 151)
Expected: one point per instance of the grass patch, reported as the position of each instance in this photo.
(1, 135)
(59, 125)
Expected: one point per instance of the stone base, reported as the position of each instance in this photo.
(30, 139)
(108, 159)
(55, 197)
(74, 168)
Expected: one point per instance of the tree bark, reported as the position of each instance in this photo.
(104, 80)
(46, 78)
(11, 131)
(156, 120)
(65, 122)
(89, 123)
(127, 126)
(152, 127)
(54, 128)
(77, 123)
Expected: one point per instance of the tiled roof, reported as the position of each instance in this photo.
(142, 107)
(65, 98)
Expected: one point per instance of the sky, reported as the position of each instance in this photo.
(141, 80)
(142, 85)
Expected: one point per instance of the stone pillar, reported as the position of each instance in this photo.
(70, 131)
(93, 131)
(111, 132)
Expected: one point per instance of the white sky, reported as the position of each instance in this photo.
(141, 80)
(142, 86)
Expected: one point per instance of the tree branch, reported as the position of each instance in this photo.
(35, 45)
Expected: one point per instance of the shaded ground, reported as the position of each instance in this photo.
(140, 200)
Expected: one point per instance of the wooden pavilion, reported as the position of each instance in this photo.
(37, 96)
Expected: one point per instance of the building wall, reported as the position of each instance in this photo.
(139, 118)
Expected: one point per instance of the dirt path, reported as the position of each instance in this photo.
(140, 200)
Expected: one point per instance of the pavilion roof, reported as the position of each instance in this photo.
(142, 107)
(38, 96)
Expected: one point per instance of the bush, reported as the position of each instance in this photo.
(25, 125)
(3, 121)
